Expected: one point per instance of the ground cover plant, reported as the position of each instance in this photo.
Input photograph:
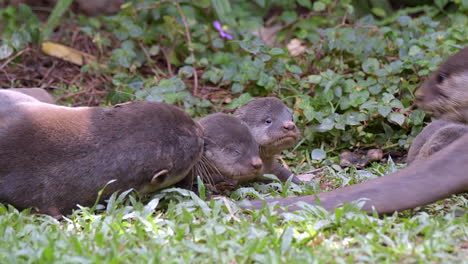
(348, 71)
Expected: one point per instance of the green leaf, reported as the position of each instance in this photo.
(5, 51)
(325, 125)
(397, 118)
(379, 12)
(384, 110)
(370, 65)
(319, 6)
(314, 78)
(276, 51)
(417, 117)
(237, 88)
(186, 72)
(289, 16)
(318, 154)
(305, 3)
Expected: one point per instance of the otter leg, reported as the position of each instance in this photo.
(441, 139)
(283, 174)
(423, 138)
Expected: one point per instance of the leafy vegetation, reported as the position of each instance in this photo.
(350, 83)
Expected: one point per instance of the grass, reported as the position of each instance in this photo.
(176, 226)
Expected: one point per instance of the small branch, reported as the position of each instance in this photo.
(189, 40)
(228, 206)
(12, 58)
(168, 63)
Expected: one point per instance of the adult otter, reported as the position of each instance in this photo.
(38, 93)
(54, 157)
(230, 153)
(425, 181)
(271, 122)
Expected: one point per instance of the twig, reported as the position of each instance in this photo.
(148, 56)
(283, 162)
(12, 58)
(168, 63)
(189, 40)
(228, 206)
(313, 171)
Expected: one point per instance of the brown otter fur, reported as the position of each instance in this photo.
(230, 154)
(55, 157)
(271, 123)
(445, 92)
(434, 137)
(425, 181)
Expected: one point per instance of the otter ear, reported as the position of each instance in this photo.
(160, 175)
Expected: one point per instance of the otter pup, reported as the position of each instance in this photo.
(271, 123)
(425, 181)
(435, 136)
(55, 157)
(230, 153)
(38, 93)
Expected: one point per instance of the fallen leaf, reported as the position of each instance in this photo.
(66, 53)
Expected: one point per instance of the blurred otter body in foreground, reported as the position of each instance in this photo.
(55, 157)
(430, 179)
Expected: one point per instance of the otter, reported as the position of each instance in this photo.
(55, 157)
(423, 182)
(435, 136)
(271, 123)
(230, 154)
(38, 93)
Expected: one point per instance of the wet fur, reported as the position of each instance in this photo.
(54, 157)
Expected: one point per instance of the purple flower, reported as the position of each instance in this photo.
(222, 30)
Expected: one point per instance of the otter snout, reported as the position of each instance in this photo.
(419, 96)
(257, 163)
(289, 126)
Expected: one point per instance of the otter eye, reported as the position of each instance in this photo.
(441, 77)
(268, 121)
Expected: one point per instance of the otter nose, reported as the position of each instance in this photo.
(289, 125)
(257, 163)
(419, 95)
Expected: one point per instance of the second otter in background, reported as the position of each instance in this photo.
(272, 125)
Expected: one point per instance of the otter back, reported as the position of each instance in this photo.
(54, 157)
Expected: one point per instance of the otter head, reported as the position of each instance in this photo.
(230, 149)
(271, 123)
(445, 93)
